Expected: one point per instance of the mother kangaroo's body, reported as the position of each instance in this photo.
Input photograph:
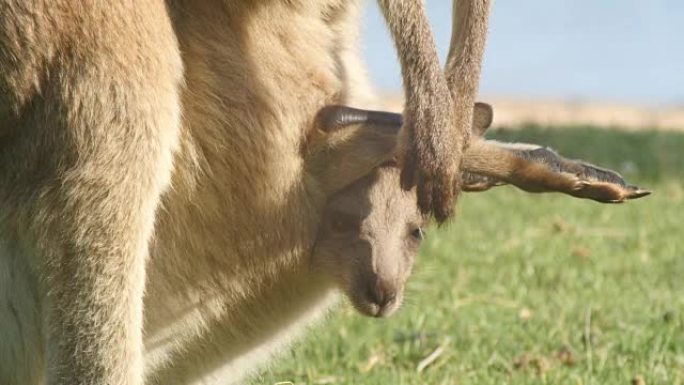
(159, 148)
(240, 285)
(177, 157)
(247, 196)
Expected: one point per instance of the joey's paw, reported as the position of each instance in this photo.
(431, 158)
(435, 189)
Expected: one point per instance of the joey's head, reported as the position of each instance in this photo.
(368, 241)
(371, 228)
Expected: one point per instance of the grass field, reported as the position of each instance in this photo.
(531, 289)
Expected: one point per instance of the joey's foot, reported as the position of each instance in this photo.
(607, 192)
(581, 179)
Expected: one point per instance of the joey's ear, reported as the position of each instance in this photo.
(483, 115)
(348, 143)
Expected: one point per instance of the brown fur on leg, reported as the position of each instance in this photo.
(430, 144)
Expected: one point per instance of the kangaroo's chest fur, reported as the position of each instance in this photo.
(228, 277)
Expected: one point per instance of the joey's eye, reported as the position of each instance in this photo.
(417, 234)
(343, 223)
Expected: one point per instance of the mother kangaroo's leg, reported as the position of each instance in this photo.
(86, 150)
(21, 337)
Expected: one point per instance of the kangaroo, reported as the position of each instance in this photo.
(167, 156)
(137, 140)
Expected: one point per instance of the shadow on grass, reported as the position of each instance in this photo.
(644, 156)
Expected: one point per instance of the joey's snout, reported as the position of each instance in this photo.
(378, 279)
(382, 297)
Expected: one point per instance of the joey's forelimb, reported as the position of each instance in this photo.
(431, 144)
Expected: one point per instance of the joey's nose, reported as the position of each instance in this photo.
(382, 293)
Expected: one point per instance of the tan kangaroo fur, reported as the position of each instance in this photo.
(170, 156)
(161, 142)
(90, 122)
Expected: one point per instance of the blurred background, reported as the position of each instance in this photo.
(606, 62)
(541, 288)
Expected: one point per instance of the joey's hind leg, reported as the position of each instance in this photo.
(81, 179)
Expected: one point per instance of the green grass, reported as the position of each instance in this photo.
(532, 289)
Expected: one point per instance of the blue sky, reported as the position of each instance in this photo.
(608, 50)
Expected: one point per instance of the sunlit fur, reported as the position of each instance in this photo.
(151, 158)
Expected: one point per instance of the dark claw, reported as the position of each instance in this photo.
(424, 193)
(443, 197)
(408, 177)
(638, 192)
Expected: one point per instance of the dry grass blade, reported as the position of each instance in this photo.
(432, 357)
